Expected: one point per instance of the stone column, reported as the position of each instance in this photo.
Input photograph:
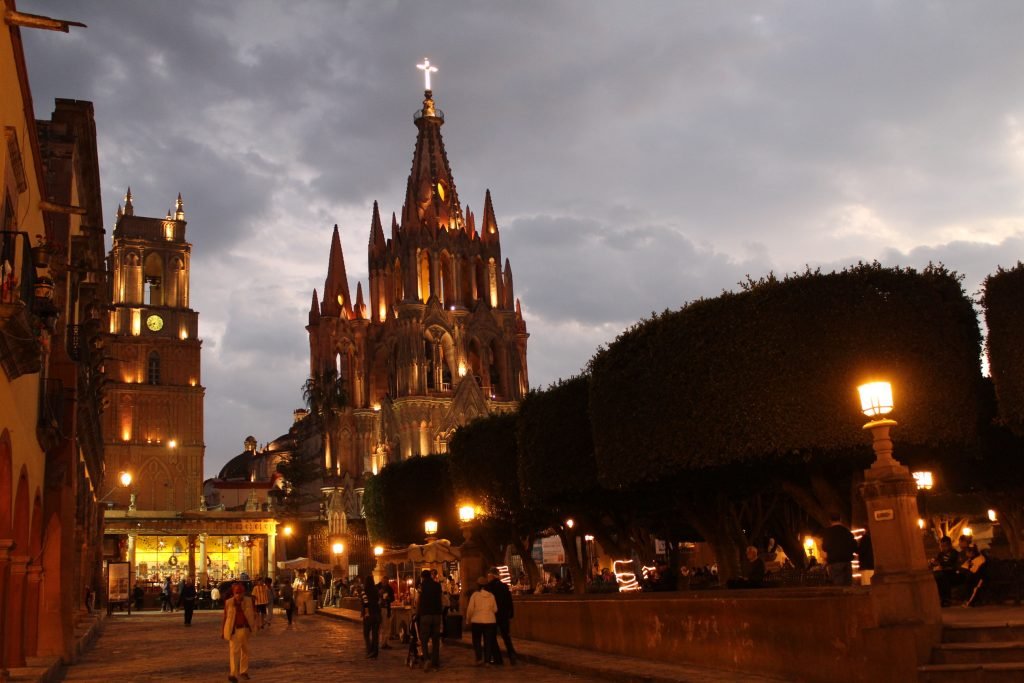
(14, 636)
(5, 566)
(471, 567)
(192, 559)
(131, 560)
(202, 571)
(272, 554)
(902, 589)
(33, 582)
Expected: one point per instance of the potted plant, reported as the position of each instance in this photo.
(43, 288)
(44, 251)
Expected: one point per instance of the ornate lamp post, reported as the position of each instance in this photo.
(902, 588)
(378, 568)
(430, 528)
(338, 550)
(471, 559)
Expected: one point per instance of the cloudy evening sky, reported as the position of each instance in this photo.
(639, 154)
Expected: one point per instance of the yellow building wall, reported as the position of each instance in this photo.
(19, 399)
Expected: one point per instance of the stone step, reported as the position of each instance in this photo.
(983, 634)
(1006, 672)
(978, 653)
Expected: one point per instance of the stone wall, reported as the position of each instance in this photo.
(828, 634)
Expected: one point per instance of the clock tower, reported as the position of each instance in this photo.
(153, 425)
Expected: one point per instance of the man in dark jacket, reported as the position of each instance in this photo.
(503, 596)
(839, 545)
(371, 618)
(430, 609)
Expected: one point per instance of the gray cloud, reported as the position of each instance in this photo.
(639, 156)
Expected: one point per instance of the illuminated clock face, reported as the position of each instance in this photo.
(155, 323)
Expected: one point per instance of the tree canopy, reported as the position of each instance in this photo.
(771, 372)
(1003, 301)
(405, 494)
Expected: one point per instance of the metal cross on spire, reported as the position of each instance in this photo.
(427, 69)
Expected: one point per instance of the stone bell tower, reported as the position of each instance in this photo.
(154, 426)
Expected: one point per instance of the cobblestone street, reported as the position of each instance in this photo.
(158, 647)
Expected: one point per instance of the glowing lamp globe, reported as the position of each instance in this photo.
(430, 526)
(378, 550)
(876, 399)
(992, 516)
(925, 480)
(288, 530)
(467, 513)
(338, 548)
(126, 479)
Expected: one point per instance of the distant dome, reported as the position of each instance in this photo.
(238, 467)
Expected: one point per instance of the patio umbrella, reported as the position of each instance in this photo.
(302, 563)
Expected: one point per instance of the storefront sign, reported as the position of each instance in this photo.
(552, 550)
(117, 581)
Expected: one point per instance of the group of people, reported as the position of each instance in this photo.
(839, 547)
(959, 572)
(488, 614)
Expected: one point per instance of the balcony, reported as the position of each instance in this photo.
(27, 311)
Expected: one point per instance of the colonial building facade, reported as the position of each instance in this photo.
(436, 340)
(154, 428)
(52, 295)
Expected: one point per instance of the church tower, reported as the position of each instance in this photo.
(154, 425)
(437, 339)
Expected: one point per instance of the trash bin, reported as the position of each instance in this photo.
(453, 626)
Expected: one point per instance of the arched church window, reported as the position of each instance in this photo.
(399, 281)
(429, 352)
(153, 275)
(424, 275)
(153, 369)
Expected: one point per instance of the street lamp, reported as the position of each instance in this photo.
(467, 513)
(925, 480)
(124, 480)
(338, 548)
(875, 402)
(378, 550)
(430, 527)
(287, 531)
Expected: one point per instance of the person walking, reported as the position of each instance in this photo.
(181, 589)
(261, 598)
(165, 595)
(239, 617)
(430, 610)
(187, 599)
(269, 584)
(481, 616)
(503, 598)
(839, 545)
(371, 618)
(288, 602)
(387, 596)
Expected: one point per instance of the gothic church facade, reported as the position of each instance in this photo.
(437, 339)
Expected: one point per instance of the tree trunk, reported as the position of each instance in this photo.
(524, 547)
(572, 557)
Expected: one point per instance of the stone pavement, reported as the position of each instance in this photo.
(151, 646)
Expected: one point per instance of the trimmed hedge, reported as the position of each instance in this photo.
(484, 466)
(1003, 302)
(556, 447)
(405, 494)
(770, 373)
